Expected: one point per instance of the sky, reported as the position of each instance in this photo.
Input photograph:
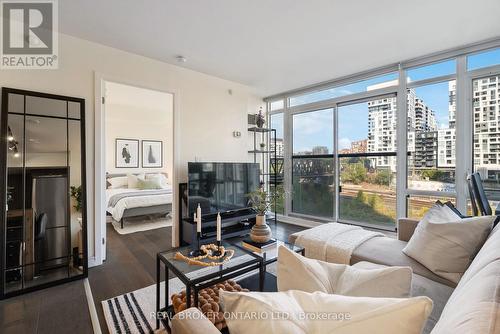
(316, 128)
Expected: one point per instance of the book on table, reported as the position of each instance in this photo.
(259, 247)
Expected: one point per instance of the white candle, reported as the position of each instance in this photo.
(219, 227)
(198, 218)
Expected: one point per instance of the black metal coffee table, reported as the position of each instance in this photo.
(196, 278)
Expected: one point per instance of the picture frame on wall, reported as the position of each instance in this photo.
(152, 154)
(126, 153)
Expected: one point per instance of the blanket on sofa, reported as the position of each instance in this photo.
(333, 242)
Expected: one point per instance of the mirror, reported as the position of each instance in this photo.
(44, 224)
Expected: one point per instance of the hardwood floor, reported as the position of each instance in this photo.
(131, 262)
(60, 309)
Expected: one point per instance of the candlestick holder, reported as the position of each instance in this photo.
(218, 251)
(196, 251)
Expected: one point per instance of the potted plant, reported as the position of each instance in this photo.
(261, 201)
(76, 194)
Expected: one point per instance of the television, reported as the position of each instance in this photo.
(221, 187)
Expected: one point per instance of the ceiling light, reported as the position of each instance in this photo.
(10, 138)
(16, 155)
(181, 59)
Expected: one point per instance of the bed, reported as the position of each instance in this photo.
(125, 202)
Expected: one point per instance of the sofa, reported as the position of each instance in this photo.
(471, 306)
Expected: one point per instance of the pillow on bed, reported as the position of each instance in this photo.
(134, 179)
(160, 178)
(149, 184)
(118, 182)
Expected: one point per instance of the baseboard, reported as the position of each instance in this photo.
(92, 262)
(96, 326)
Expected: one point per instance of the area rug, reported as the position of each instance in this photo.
(134, 312)
(140, 224)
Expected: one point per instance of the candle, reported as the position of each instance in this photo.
(198, 218)
(219, 227)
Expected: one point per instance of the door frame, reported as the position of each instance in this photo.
(99, 234)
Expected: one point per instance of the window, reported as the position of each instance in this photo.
(277, 171)
(276, 105)
(312, 164)
(313, 133)
(431, 137)
(419, 205)
(486, 135)
(483, 59)
(367, 156)
(382, 81)
(432, 71)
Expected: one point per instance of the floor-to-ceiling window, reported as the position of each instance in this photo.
(367, 136)
(313, 170)
(369, 149)
(486, 120)
(277, 163)
(431, 144)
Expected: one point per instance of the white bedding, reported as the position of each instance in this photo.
(134, 202)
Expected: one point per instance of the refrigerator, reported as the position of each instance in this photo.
(50, 196)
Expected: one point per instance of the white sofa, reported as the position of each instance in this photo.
(472, 307)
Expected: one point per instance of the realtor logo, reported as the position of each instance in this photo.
(29, 34)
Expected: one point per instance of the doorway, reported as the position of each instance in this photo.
(135, 139)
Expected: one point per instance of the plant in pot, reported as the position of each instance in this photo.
(76, 194)
(261, 201)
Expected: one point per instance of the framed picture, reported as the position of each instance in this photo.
(152, 154)
(127, 153)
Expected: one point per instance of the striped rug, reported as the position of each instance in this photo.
(134, 312)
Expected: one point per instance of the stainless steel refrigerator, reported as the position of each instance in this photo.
(50, 196)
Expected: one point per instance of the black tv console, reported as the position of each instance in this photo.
(233, 225)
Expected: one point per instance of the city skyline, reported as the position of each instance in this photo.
(355, 127)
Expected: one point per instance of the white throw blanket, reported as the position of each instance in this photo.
(333, 242)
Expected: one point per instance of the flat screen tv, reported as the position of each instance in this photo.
(221, 186)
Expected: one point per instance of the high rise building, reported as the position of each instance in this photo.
(486, 109)
(382, 129)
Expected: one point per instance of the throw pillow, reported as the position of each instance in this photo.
(296, 272)
(439, 213)
(447, 248)
(161, 178)
(118, 182)
(134, 179)
(301, 312)
(149, 184)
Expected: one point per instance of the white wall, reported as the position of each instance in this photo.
(208, 113)
(137, 113)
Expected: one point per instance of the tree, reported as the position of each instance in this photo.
(383, 177)
(354, 173)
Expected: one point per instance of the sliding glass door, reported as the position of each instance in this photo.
(366, 155)
(313, 169)
(486, 140)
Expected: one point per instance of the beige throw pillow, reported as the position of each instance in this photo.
(118, 182)
(133, 180)
(296, 272)
(298, 312)
(447, 249)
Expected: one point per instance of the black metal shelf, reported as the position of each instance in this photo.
(261, 130)
(267, 136)
(259, 151)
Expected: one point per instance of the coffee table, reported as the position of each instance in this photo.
(196, 278)
(270, 255)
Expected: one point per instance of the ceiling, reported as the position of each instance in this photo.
(279, 45)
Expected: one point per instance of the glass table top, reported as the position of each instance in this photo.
(271, 254)
(241, 257)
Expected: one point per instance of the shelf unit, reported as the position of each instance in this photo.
(268, 159)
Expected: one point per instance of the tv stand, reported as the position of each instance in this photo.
(234, 224)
